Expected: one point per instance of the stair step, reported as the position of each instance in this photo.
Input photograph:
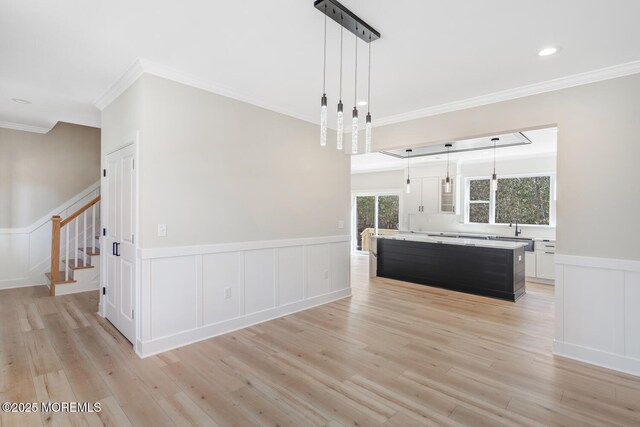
(91, 251)
(78, 264)
(62, 278)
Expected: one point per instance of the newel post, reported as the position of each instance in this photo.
(55, 253)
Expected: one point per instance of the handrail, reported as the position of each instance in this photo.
(79, 211)
(57, 224)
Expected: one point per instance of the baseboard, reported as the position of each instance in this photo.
(74, 288)
(149, 348)
(597, 357)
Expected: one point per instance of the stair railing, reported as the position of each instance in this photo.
(58, 225)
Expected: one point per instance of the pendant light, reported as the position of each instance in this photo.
(409, 151)
(354, 118)
(367, 133)
(494, 177)
(447, 181)
(323, 100)
(340, 128)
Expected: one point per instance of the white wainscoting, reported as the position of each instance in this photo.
(182, 297)
(597, 311)
(25, 253)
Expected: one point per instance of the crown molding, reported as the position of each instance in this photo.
(142, 66)
(588, 77)
(25, 128)
(123, 83)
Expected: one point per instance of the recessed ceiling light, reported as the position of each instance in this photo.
(21, 101)
(362, 103)
(548, 51)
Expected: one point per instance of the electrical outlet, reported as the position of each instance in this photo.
(227, 293)
(162, 230)
(341, 224)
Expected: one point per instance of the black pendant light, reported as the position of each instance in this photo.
(494, 177)
(367, 129)
(447, 181)
(354, 117)
(323, 100)
(340, 128)
(409, 151)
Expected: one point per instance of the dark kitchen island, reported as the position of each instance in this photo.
(488, 268)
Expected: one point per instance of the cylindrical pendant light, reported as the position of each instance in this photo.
(494, 177)
(447, 181)
(367, 137)
(323, 100)
(340, 128)
(408, 176)
(354, 117)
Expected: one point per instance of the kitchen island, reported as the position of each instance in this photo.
(482, 267)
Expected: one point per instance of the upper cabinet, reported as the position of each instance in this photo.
(428, 196)
(423, 197)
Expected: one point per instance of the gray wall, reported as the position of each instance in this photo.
(598, 154)
(217, 170)
(39, 172)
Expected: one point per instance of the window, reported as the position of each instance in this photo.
(375, 214)
(522, 199)
(479, 200)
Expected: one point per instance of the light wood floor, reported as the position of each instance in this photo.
(394, 354)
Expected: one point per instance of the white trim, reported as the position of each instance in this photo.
(25, 128)
(176, 251)
(597, 357)
(46, 218)
(141, 66)
(588, 77)
(119, 86)
(593, 262)
(149, 348)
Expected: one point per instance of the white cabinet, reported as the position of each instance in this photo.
(423, 197)
(545, 265)
(545, 259)
(530, 264)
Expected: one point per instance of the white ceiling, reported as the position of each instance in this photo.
(63, 55)
(543, 143)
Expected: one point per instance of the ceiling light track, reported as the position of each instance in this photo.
(349, 20)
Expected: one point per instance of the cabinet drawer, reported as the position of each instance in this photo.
(546, 246)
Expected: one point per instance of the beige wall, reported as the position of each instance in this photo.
(375, 181)
(40, 172)
(217, 170)
(598, 154)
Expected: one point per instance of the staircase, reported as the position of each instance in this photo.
(75, 251)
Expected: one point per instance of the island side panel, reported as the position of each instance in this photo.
(478, 270)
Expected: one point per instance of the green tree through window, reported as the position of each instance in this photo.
(525, 200)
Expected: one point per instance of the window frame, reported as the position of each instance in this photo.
(372, 193)
(492, 198)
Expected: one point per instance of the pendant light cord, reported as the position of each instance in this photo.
(341, 28)
(448, 148)
(324, 58)
(355, 92)
(369, 78)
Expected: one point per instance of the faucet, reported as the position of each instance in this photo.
(518, 232)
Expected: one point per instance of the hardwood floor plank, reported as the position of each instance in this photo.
(394, 354)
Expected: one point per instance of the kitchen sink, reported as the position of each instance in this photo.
(529, 242)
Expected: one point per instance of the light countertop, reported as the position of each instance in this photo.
(454, 241)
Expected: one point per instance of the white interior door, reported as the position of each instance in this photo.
(119, 241)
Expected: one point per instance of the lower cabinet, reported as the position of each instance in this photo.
(545, 265)
(530, 264)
